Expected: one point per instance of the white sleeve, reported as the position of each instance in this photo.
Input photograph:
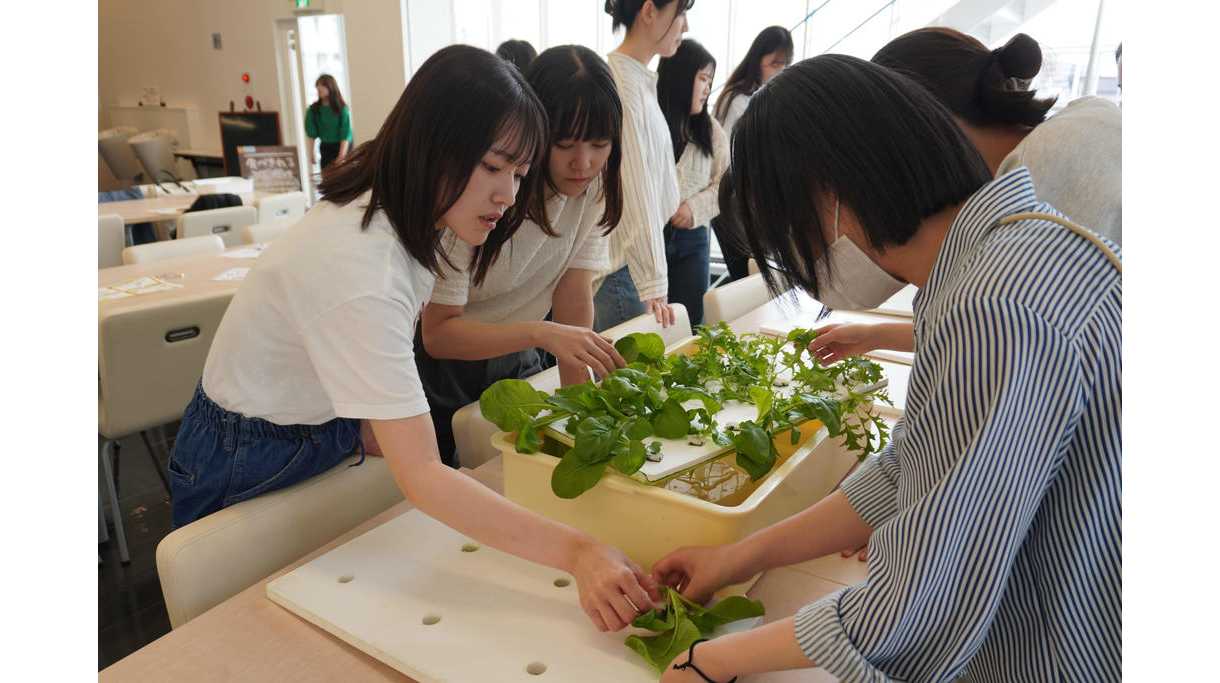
(363, 353)
(704, 204)
(452, 286)
(592, 252)
(643, 242)
(736, 108)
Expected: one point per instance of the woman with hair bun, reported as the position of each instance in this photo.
(1075, 157)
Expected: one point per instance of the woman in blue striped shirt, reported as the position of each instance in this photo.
(993, 518)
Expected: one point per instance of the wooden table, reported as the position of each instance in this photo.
(250, 638)
(167, 208)
(194, 273)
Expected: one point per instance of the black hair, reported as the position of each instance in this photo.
(747, 77)
(675, 88)
(624, 12)
(460, 102)
(837, 127)
(519, 53)
(337, 103)
(577, 89)
(983, 87)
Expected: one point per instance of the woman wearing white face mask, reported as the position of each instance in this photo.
(992, 518)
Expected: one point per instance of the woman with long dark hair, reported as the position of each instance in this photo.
(314, 358)
(770, 52)
(638, 278)
(684, 82)
(993, 517)
(483, 327)
(1075, 157)
(329, 120)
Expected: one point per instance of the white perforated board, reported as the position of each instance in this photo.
(500, 617)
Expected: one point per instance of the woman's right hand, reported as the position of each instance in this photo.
(697, 572)
(580, 346)
(838, 341)
(613, 589)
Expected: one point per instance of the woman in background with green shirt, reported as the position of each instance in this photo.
(330, 120)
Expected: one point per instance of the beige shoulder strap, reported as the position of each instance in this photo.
(1038, 215)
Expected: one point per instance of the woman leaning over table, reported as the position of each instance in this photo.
(314, 358)
(993, 518)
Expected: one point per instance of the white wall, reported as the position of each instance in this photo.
(168, 44)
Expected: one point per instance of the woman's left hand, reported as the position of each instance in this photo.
(684, 218)
(705, 659)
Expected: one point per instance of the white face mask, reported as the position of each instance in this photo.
(858, 283)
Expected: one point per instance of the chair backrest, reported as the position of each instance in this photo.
(150, 359)
(159, 251)
(262, 233)
(730, 302)
(224, 223)
(472, 432)
(111, 238)
(288, 206)
(207, 561)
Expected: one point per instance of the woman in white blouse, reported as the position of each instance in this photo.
(314, 359)
(485, 321)
(637, 279)
(770, 52)
(684, 82)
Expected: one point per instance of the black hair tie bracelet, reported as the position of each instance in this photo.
(690, 663)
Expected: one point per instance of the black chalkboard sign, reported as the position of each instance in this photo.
(244, 129)
(273, 169)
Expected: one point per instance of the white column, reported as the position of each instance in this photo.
(1091, 72)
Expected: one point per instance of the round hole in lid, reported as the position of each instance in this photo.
(346, 578)
(470, 547)
(535, 668)
(431, 619)
(563, 582)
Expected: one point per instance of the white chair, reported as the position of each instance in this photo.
(150, 359)
(225, 223)
(262, 233)
(289, 206)
(113, 146)
(159, 251)
(472, 432)
(111, 238)
(730, 302)
(207, 561)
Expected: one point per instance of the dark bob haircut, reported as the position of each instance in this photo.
(747, 77)
(836, 126)
(460, 103)
(676, 88)
(518, 52)
(624, 12)
(983, 87)
(582, 103)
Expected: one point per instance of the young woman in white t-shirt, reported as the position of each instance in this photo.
(702, 149)
(487, 323)
(770, 52)
(638, 278)
(314, 357)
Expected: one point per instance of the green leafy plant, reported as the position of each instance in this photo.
(682, 622)
(610, 422)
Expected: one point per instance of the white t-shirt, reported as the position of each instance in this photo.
(323, 325)
(737, 107)
(650, 180)
(520, 283)
(1076, 160)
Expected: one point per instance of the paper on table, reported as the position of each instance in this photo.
(146, 285)
(232, 274)
(106, 293)
(251, 251)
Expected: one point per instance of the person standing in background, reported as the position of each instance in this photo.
(701, 147)
(770, 52)
(519, 53)
(329, 120)
(638, 278)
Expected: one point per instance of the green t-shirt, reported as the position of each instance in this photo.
(323, 123)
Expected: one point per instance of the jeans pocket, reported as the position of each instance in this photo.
(267, 465)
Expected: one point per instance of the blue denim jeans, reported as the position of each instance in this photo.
(688, 257)
(221, 458)
(616, 301)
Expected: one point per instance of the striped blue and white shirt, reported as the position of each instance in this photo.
(996, 550)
